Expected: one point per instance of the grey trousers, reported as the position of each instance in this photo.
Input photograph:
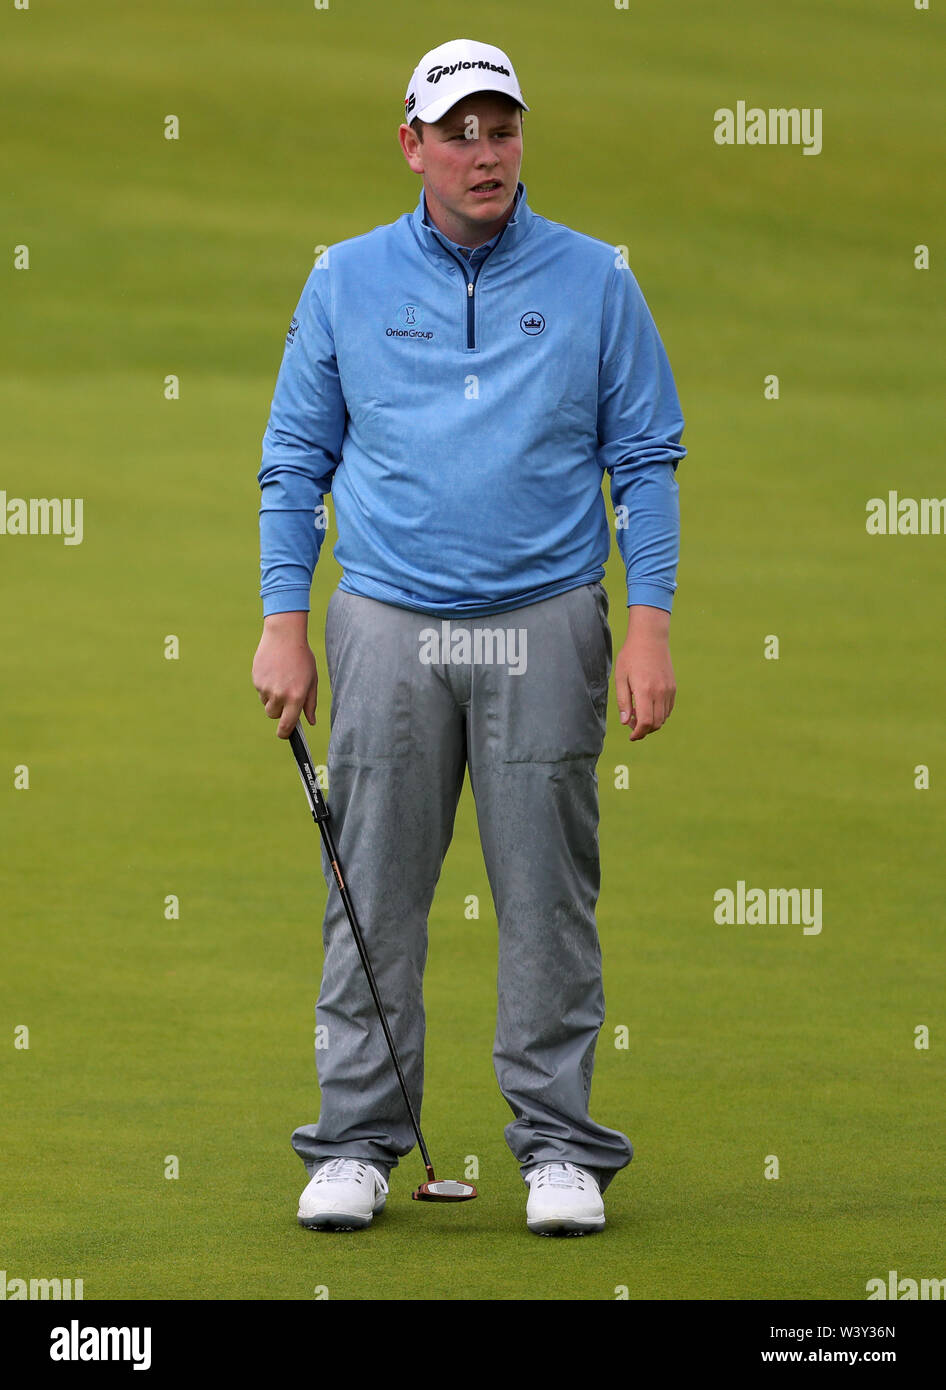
(523, 707)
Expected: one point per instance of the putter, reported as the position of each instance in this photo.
(434, 1189)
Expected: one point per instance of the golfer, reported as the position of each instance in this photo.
(460, 381)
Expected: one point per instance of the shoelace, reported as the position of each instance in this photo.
(559, 1175)
(344, 1169)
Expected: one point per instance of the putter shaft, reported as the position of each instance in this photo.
(320, 814)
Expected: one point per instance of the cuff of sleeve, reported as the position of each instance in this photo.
(651, 595)
(286, 601)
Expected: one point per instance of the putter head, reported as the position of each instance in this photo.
(444, 1190)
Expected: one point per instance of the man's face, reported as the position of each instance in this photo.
(478, 141)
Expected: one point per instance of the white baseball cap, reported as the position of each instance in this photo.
(447, 74)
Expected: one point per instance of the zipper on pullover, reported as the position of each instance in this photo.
(465, 266)
(470, 284)
(470, 304)
(470, 287)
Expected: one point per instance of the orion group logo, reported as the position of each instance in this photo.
(532, 323)
(410, 320)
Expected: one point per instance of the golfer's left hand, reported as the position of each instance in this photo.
(643, 672)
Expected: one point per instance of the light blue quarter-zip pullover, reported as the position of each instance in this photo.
(461, 410)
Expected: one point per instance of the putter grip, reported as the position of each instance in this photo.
(310, 782)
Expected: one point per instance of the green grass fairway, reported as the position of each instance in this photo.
(192, 1037)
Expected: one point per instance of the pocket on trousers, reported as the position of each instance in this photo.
(371, 665)
(591, 634)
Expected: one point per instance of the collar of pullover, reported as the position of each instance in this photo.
(433, 240)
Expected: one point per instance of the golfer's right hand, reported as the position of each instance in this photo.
(284, 671)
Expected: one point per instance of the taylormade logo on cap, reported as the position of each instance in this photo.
(454, 70)
(435, 73)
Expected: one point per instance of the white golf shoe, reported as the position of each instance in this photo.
(343, 1195)
(563, 1200)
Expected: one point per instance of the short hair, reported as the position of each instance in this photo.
(417, 126)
